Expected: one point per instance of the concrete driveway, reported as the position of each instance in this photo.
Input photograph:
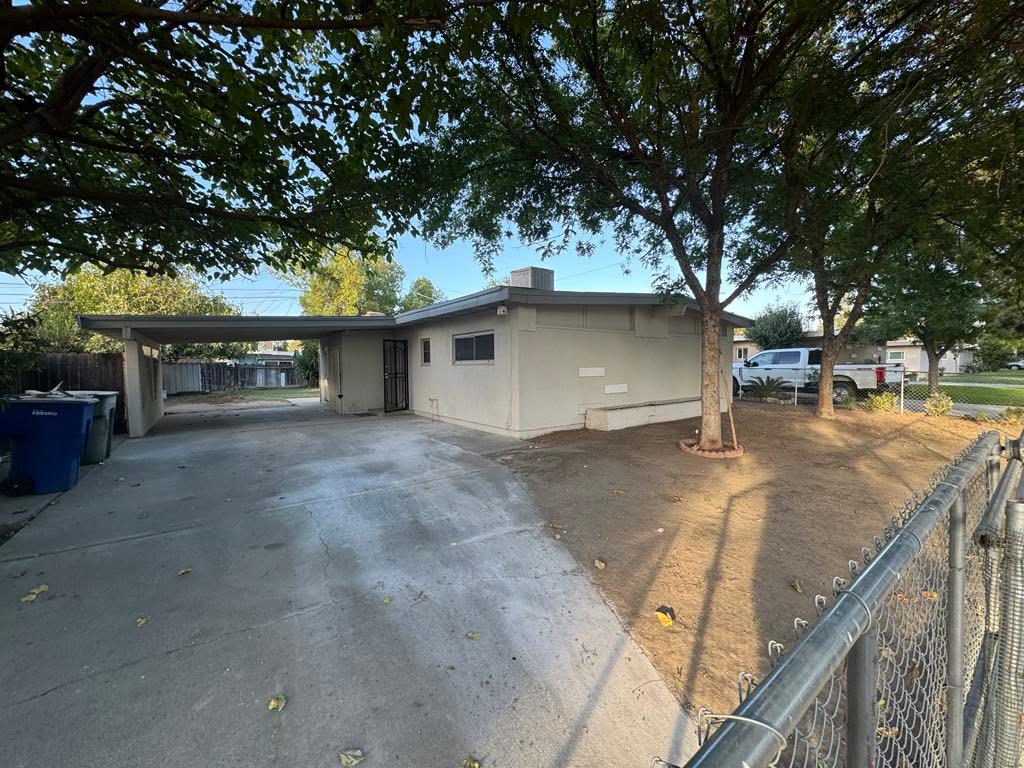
(387, 575)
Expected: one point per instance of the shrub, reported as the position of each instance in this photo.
(883, 401)
(938, 404)
(765, 386)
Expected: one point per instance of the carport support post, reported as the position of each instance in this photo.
(143, 384)
(955, 632)
(862, 701)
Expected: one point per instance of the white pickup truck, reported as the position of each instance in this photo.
(799, 367)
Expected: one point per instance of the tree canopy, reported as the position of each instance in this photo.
(214, 136)
(122, 292)
(931, 299)
(421, 293)
(349, 283)
(777, 327)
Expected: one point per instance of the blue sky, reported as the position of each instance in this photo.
(456, 272)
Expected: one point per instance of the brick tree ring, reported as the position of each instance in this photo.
(689, 445)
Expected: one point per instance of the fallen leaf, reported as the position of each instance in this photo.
(617, 490)
(472, 635)
(184, 571)
(929, 594)
(600, 564)
(795, 584)
(141, 621)
(677, 498)
(558, 535)
(470, 762)
(276, 704)
(388, 599)
(665, 615)
(351, 757)
(661, 530)
(34, 593)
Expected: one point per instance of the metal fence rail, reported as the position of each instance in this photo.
(918, 660)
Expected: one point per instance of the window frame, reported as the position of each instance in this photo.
(897, 355)
(473, 335)
(425, 347)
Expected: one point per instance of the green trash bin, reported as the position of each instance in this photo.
(101, 433)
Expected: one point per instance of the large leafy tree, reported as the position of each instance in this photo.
(422, 293)
(349, 283)
(888, 145)
(209, 134)
(659, 123)
(55, 306)
(929, 297)
(775, 327)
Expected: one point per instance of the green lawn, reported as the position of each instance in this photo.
(978, 395)
(224, 396)
(1005, 376)
(278, 393)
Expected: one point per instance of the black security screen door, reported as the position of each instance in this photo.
(396, 375)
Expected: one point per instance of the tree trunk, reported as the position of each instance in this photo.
(829, 352)
(933, 367)
(711, 379)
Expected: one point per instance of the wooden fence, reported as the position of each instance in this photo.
(79, 371)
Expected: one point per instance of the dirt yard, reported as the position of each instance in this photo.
(737, 548)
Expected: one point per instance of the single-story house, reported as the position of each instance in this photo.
(911, 353)
(743, 348)
(518, 359)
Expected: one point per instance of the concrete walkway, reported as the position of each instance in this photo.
(346, 563)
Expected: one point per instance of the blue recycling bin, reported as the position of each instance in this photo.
(48, 437)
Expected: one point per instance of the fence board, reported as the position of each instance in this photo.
(83, 370)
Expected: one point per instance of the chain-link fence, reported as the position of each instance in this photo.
(917, 659)
(983, 396)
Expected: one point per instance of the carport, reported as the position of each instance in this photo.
(142, 336)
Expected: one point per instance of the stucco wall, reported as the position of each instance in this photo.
(572, 358)
(144, 402)
(480, 395)
(353, 374)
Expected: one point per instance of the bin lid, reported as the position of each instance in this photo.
(92, 392)
(52, 400)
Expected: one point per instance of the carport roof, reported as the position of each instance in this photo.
(189, 329)
(198, 329)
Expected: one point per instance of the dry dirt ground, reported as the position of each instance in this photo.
(728, 544)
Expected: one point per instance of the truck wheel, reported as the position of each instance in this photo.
(735, 388)
(842, 390)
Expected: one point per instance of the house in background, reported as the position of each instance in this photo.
(743, 349)
(268, 353)
(911, 354)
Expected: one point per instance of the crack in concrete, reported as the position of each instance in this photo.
(328, 555)
(313, 609)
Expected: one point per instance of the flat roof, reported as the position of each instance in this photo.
(194, 329)
(202, 329)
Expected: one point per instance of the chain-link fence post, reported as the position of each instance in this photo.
(1009, 687)
(903, 377)
(955, 632)
(862, 701)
